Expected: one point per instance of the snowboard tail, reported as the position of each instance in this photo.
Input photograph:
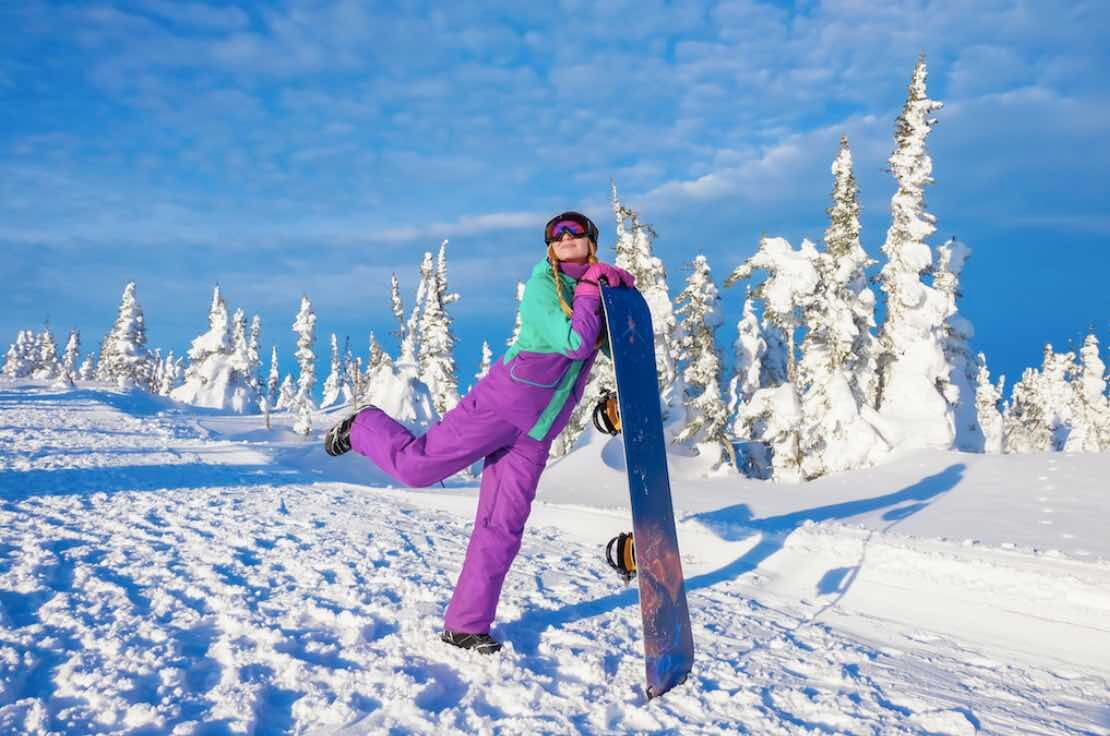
(668, 640)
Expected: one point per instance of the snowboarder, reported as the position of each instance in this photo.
(509, 418)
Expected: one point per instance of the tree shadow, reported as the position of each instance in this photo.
(733, 524)
(21, 484)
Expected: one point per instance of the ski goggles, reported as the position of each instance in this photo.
(579, 226)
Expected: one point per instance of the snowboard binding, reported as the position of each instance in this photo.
(620, 553)
(607, 416)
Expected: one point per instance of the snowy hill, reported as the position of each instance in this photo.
(180, 570)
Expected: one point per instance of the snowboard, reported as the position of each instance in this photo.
(668, 640)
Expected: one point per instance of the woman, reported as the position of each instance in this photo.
(509, 418)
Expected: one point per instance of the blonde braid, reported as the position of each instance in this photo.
(554, 261)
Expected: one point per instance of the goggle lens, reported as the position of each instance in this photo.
(556, 231)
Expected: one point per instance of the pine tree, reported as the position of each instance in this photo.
(337, 388)
(486, 362)
(87, 372)
(254, 355)
(352, 369)
(852, 308)
(1057, 373)
(834, 373)
(220, 367)
(48, 365)
(634, 253)
(408, 360)
(773, 415)
(243, 383)
(1039, 416)
(517, 323)
(157, 370)
(1025, 428)
(374, 357)
(706, 422)
(169, 375)
(302, 406)
(987, 397)
(913, 391)
(69, 360)
(748, 350)
(273, 380)
(962, 366)
(436, 341)
(123, 355)
(1090, 410)
(287, 394)
(20, 359)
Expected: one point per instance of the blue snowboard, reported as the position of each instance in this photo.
(668, 641)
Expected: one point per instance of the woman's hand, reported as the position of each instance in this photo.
(588, 284)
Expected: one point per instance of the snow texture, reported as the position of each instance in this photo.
(166, 569)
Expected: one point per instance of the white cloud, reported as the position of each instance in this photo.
(198, 15)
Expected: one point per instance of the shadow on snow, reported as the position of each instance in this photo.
(735, 523)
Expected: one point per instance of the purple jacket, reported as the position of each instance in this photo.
(544, 373)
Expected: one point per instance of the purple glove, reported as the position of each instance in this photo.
(588, 284)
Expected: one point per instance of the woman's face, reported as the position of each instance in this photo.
(572, 250)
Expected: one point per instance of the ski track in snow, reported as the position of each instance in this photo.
(156, 580)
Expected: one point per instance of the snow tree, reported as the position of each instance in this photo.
(748, 350)
(123, 354)
(352, 369)
(337, 386)
(399, 394)
(517, 323)
(773, 416)
(408, 358)
(1057, 372)
(912, 392)
(20, 359)
(486, 362)
(254, 355)
(87, 372)
(774, 369)
(706, 420)
(218, 376)
(634, 244)
(69, 360)
(156, 369)
(48, 365)
(963, 370)
(245, 364)
(172, 374)
(1024, 425)
(273, 380)
(287, 393)
(376, 354)
(849, 313)
(302, 405)
(838, 428)
(1039, 416)
(435, 338)
(1090, 411)
(987, 397)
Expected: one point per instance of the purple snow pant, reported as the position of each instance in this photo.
(513, 464)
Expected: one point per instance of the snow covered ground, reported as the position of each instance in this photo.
(175, 570)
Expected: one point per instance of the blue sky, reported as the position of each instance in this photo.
(309, 147)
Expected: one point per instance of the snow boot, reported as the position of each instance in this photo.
(337, 440)
(481, 643)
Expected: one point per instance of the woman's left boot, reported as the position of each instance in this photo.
(337, 440)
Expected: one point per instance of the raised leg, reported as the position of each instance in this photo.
(463, 436)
